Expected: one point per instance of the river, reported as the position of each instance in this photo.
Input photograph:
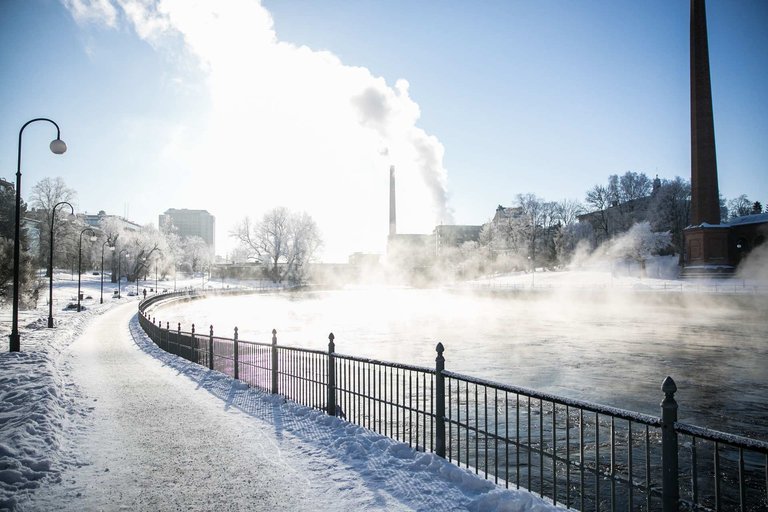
(609, 347)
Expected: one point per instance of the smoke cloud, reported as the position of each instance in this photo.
(285, 125)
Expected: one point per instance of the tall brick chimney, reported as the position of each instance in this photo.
(705, 196)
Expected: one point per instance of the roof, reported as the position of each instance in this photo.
(755, 218)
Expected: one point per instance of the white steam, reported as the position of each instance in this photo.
(288, 125)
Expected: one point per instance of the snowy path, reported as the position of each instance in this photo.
(164, 434)
(158, 442)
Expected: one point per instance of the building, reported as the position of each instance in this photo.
(188, 223)
(421, 249)
(619, 217)
(711, 247)
(97, 220)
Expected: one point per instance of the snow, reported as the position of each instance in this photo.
(94, 416)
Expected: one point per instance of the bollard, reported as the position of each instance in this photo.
(670, 492)
(210, 349)
(237, 373)
(274, 362)
(439, 402)
(331, 403)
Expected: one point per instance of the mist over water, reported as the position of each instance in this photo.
(608, 347)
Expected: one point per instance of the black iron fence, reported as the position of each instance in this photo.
(576, 453)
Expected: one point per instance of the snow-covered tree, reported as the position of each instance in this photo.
(46, 194)
(670, 210)
(639, 243)
(284, 242)
(196, 254)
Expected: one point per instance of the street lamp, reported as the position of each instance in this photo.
(111, 248)
(50, 261)
(119, 258)
(138, 273)
(161, 254)
(80, 259)
(58, 147)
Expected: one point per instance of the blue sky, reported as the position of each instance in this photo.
(236, 108)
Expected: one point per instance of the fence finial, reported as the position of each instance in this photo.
(331, 344)
(670, 485)
(274, 336)
(193, 329)
(669, 387)
(211, 329)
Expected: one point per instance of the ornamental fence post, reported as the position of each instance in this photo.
(670, 490)
(237, 373)
(193, 346)
(274, 362)
(439, 402)
(178, 340)
(331, 403)
(210, 349)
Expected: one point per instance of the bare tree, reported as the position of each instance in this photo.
(740, 206)
(670, 210)
(598, 198)
(46, 194)
(283, 242)
(567, 211)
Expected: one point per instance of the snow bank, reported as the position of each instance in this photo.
(36, 403)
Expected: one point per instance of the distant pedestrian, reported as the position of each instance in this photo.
(145, 293)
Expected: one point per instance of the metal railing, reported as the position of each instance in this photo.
(576, 453)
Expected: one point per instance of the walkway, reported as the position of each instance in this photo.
(157, 442)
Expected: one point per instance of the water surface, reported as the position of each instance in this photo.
(613, 348)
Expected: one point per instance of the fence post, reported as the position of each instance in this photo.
(210, 349)
(274, 362)
(331, 403)
(193, 345)
(670, 491)
(237, 373)
(439, 402)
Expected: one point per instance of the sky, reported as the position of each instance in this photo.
(238, 107)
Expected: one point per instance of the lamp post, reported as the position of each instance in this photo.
(138, 273)
(111, 248)
(156, 262)
(80, 259)
(119, 259)
(50, 261)
(58, 147)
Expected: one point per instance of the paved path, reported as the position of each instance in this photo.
(155, 441)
